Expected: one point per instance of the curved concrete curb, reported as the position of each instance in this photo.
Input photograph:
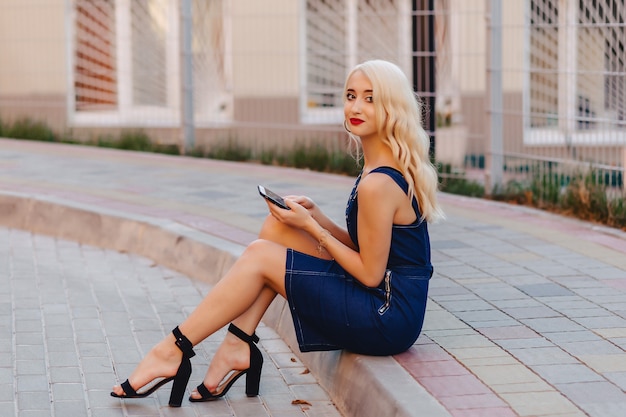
(359, 385)
(195, 254)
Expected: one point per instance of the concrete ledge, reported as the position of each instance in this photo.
(359, 385)
(195, 254)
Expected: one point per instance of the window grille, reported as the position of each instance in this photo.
(128, 62)
(326, 52)
(148, 42)
(544, 47)
(601, 62)
(599, 88)
(95, 81)
(378, 30)
(211, 61)
(342, 33)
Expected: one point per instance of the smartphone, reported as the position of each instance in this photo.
(273, 197)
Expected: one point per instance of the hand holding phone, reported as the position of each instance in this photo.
(272, 197)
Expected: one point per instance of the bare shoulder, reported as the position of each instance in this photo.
(377, 185)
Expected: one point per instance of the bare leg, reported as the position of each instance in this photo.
(233, 353)
(261, 266)
(251, 283)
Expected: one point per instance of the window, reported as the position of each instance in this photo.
(95, 85)
(339, 35)
(127, 62)
(577, 72)
(544, 41)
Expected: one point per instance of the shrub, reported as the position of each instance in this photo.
(456, 183)
(267, 156)
(230, 151)
(134, 140)
(461, 186)
(105, 141)
(196, 152)
(281, 160)
(513, 192)
(586, 198)
(344, 163)
(584, 195)
(314, 157)
(617, 212)
(317, 158)
(298, 156)
(27, 128)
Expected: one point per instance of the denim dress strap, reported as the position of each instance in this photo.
(399, 179)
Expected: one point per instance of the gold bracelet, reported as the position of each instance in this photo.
(321, 244)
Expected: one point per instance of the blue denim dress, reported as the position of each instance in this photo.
(332, 310)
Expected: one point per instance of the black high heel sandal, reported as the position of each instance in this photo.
(253, 373)
(180, 379)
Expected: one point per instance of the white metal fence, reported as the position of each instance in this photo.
(538, 91)
(523, 87)
(126, 62)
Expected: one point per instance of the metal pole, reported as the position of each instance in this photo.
(423, 33)
(187, 77)
(432, 120)
(494, 113)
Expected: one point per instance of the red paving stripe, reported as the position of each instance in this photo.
(450, 383)
(571, 226)
(149, 158)
(483, 412)
(205, 224)
(508, 332)
(619, 283)
(615, 243)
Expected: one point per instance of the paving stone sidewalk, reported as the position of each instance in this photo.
(527, 312)
(76, 318)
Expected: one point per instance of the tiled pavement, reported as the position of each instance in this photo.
(75, 316)
(527, 312)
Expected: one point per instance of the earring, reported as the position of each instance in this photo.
(345, 126)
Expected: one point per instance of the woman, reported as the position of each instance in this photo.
(362, 288)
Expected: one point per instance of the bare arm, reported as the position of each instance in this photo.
(338, 232)
(379, 199)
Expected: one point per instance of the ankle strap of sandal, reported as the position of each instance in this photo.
(183, 343)
(242, 335)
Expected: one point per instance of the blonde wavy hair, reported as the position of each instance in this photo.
(398, 117)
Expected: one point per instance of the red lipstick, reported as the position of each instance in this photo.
(356, 122)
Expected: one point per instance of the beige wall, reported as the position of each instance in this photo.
(513, 45)
(265, 37)
(590, 61)
(470, 48)
(469, 39)
(33, 57)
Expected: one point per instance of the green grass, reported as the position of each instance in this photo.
(229, 150)
(26, 128)
(584, 196)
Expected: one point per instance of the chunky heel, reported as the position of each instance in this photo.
(253, 377)
(253, 373)
(180, 379)
(180, 383)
